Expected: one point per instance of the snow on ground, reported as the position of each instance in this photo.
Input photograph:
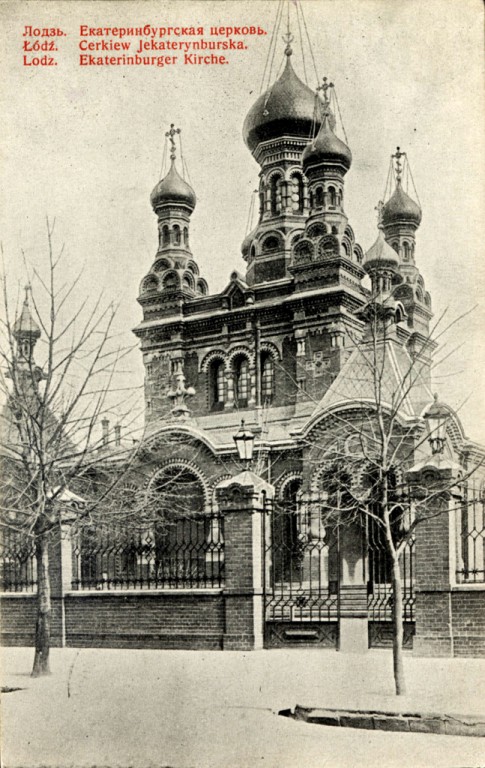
(198, 709)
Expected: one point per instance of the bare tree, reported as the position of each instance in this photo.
(52, 410)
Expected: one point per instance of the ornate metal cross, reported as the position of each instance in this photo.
(325, 87)
(170, 136)
(397, 157)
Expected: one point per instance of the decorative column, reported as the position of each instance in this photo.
(241, 500)
(434, 488)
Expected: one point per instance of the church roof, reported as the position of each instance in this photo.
(380, 254)
(327, 148)
(402, 385)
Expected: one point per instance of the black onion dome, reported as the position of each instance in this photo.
(400, 207)
(173, 189)
(287, 108)
(327, 147)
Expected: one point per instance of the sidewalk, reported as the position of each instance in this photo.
(181, 708)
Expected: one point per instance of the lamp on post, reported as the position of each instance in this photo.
(436, 418)
(244, 440)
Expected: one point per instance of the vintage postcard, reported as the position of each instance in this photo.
(242, 404)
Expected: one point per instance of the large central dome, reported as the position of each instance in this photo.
(286, 109)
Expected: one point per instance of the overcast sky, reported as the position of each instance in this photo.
(85, 144)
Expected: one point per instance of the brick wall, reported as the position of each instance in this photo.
(18, 619)
(468, 622)
(145, 620)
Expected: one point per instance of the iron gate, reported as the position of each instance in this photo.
(301, 593)
(379, 586)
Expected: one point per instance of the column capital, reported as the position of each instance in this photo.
(243, 490)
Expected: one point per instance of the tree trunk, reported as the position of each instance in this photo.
(397, 635)
(43, 623)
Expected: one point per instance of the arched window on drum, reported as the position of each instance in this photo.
(267, 378)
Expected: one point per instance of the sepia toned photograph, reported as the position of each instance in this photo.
(242, 455)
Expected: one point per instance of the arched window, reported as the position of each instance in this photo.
(165, 235)
(312, 200)
(319, 197)
(271, 244)
(267, 378)
(274, 195)
(406, 250)
(216, 385)
(395, 245)
(332, 196)
(176, 234)
(297, 194)
(186, 235)
(241, 381)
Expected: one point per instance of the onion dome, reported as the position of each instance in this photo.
(327, 148)
(287, 108)
(400, 207)
(173, 190)
(25, 325)
(380, 255)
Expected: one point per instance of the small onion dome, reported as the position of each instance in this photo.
(287, 108)
(327, 148)
(246, 243)
(173, 189)
(380, 255)
(400, 207)
(25, 325)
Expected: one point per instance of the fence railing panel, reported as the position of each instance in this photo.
(379, 582)
(185, 553)
(18, 566)
(470, 536)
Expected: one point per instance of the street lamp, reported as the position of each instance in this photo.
(244, 440)
(436, 418)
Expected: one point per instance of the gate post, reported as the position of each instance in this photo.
(241, 500)
(431, 481)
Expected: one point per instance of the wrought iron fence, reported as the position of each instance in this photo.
(471, 535)
(18, 567)
(180, 554)
(379, 583)
(302, 563)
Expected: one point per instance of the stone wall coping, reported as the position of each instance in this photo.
(17, 594)
(139, 592)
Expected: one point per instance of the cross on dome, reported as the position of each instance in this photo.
(170, 136)
(325, 87)
(288, 39)
(398, 167)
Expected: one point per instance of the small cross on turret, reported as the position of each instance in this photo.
(170, 136)
(378, 208)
